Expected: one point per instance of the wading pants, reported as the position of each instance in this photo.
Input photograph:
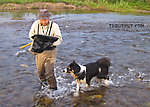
(45, 66)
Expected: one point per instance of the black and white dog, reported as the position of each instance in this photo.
(84, 73)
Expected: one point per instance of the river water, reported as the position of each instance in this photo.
(124, 38)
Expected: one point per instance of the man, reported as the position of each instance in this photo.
(45, 61)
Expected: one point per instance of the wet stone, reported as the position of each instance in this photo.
(147, 104)
(43, 101)
(24, 65)
(97, 96)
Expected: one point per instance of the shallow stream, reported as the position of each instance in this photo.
(87, 36)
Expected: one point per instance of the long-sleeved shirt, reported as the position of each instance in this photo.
(37, 28)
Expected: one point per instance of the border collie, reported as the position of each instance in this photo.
(84, 73)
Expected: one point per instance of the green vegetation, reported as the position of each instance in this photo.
(114, 5)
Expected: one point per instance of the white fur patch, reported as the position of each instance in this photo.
(99, 69)
(83, 68)
(106, 82)
(65, 70)
(83, 81)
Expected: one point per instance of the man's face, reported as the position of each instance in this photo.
(44, 22)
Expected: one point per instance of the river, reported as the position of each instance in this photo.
(87, 36)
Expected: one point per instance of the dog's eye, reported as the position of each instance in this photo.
(69, 69)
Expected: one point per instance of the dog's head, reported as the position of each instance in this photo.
(104, 62)
(72, 68)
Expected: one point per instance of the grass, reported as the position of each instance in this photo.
(120, 6)
(114, 5)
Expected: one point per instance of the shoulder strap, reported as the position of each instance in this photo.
(50, 28)
(38, 29)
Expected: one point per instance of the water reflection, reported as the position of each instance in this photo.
(6, 16)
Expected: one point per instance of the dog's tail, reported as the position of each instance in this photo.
(104, 62)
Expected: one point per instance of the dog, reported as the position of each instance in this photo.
(84, 73)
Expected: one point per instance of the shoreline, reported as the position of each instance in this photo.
(40, 5)
(49, 5)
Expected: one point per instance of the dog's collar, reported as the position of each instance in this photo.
(75, 76)
(83, 69)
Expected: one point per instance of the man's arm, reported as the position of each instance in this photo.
(57, 34)
(33, 30)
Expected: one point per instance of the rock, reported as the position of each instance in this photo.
(43, 101)
(23, 65)
(97, 96)
(147, 104)
(48, 101)
(76, 94)
(17, 19)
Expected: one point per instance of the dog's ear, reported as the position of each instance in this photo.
(73, 61)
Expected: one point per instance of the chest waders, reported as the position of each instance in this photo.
(45, 64)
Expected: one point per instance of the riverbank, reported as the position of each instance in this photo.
(36, 5)
(49, 5)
